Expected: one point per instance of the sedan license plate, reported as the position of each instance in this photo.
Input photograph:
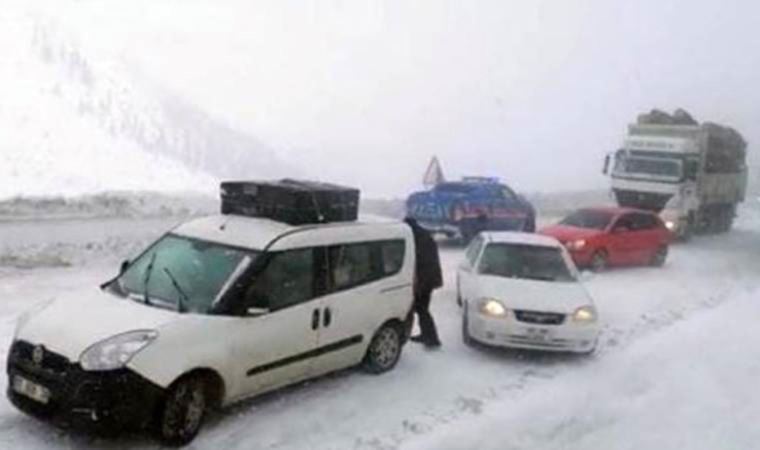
(31, 389)
(539, 335)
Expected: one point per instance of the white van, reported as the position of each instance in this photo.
(219, 309)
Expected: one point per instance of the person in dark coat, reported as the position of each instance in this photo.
(427, 278)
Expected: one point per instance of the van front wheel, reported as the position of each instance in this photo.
(384, 350)
(182, 414)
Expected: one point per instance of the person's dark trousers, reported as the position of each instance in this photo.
(428, 331)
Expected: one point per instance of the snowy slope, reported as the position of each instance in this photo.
(71, 125)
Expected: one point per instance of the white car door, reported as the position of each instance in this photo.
(277, 347)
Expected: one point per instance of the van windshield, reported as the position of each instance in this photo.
(182, 273)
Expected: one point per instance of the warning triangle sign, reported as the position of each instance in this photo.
(433, 174)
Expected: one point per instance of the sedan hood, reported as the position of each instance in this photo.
(70, 324)
(533, 295)
(565, 233)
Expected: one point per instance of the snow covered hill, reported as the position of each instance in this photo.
(70, 125)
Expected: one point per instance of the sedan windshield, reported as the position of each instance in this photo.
(182, 273)
(587, 218)
(530, 262)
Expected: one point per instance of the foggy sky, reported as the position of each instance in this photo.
(366, 92)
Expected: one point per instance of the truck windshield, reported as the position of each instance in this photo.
(181, 273)
(588, 218)
(530, 262)
(662, 167)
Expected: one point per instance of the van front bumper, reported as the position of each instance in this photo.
(107, 401)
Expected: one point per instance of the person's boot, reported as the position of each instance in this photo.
(432, 344)
(417, 338)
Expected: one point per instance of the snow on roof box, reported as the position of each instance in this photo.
(294, 202)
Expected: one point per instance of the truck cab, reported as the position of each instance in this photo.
(462, 209)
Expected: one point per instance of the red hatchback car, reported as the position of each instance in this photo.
(601, 237)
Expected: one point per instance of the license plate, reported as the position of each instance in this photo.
(31, 389)
(538, 334)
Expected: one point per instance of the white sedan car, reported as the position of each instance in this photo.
(522, 290)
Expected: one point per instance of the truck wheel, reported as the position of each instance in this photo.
(384, 350)
(659, 257)
(183, 411)
(599, 261)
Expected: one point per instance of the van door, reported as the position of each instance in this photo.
(276, 345)
(365, 291)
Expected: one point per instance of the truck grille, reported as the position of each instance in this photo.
(539, 318)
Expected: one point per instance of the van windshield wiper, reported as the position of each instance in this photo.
(183, 299)
(146, 279)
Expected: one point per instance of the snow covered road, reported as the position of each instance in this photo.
(681, 334)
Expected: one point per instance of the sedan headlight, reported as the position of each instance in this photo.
(577, 244)
(115, 352)
(585, 314)
(493, 308)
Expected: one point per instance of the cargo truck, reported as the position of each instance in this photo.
(694, 175)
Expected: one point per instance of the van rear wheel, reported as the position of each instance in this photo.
(183, 411)
(384, 350)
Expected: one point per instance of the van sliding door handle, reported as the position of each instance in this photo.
(327, 318)
(315, 319)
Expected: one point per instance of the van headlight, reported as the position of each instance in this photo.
(493, 308)
(670, 225)
(585, 314)
(115, 352)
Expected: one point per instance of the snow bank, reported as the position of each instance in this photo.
(691, 386)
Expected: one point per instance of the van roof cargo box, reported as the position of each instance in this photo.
(295, 202)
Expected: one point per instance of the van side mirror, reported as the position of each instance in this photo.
(606, 168)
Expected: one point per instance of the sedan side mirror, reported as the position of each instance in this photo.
(606, 167)
(255, 312)
(124, 266)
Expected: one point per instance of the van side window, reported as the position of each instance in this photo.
(287, 280)
(393, 253)
(351, 265)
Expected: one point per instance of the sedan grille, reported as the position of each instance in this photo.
(539, 318)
